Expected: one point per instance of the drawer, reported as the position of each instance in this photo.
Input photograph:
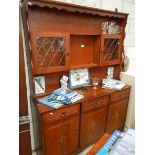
(95, 103)
(120, 94)
(61, 113)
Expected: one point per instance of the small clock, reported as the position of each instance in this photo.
(39, 84)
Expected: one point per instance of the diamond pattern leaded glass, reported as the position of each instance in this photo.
(51, 51)
(111, 47)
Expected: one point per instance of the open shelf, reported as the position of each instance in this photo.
(83, 66)
(84, 50)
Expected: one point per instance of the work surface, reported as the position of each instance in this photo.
(87, 95)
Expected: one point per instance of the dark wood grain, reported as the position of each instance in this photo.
(77, 8)
(84, 55)
(61, 114)
(62, 137)
(24, 140)
(95, 103)
(118, 95)
(117, 115)
(24, 129)
(23, 105)
(92, 126)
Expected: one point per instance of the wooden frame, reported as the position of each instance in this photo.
(34, 55)
(119, 58)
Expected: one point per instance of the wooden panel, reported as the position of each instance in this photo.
(62, 138)
(84, 55)
(97, 49)
(61, 113)
(95, 103)
(118, 95)
(117, 115)
(23, 127)
(78, 8)
(47, 19)
(23, 106)
(24, 140)
(92, 126)
(53, 80)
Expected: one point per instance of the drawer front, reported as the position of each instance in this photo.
(61, 113)
(120, 94)
(95, 103)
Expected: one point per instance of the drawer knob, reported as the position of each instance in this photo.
(63, 114)
(96, 104)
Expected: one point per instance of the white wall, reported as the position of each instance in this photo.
(130, 117)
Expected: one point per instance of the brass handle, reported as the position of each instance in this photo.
(77, 130)
(108, 117)
(63, 114)
(96, 104)
(104, 118)
(67, 53)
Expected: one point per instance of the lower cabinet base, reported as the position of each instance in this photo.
(74, 128)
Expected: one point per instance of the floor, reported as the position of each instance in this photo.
(82, 153)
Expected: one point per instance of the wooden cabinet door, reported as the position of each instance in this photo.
(24, 139)
(92, 126)
(24, 128)
(50, 52)
(116, 115)
(61, 138)
(111, 49)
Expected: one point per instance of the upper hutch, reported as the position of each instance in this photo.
(62, 37)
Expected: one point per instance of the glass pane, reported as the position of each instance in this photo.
(111, 47)
(51, 51)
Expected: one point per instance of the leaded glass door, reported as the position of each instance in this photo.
(111, 49)
(51, 52)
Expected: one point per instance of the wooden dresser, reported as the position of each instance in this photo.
(62, 37)
(72, 128)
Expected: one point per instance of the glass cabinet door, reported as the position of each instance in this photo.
(110, 50)
(51, 53)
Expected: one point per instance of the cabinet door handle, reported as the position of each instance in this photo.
(108, 117)
(67, 53)
(104, 118)
(77, 130)
(63, 114)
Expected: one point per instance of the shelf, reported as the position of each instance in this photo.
(83, 66)
(84, 50)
